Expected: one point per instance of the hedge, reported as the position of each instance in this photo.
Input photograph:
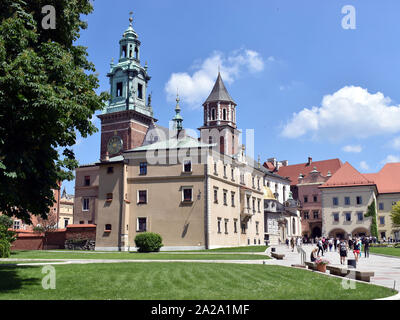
(5, 249)
(148, 242)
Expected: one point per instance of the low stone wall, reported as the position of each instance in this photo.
(28, 241)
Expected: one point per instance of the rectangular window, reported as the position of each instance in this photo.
(259, 205)
(232, 174)
(252, 182)
(225, 198)
(16, 224)
(107, 227)
(187, 194)
(81, 222)
(257, 223)
(235, 225)
(119, 89)
(140, 91)
(226, 225)
(306, 215)
(141, 224)
(243, 227)
(225, 176)
(110, 170)
(187, 166)
(258, 183)
(315, 198)
(336, 217)
(305, 199)
(248, 202)
(232, 199)
(87, 181)
(254, 205)
(215, 168)
(359, 200)
(360, 216)
(347, 201)
(219, 225)
(66, 223)
(348, 216)
(335, 201)
(215, 195)
(142, 196)
(381, 220)
(85, 204)
(381, 206)
(143, 168)
(315, 214)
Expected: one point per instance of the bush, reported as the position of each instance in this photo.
(5, 249)
(148, 242)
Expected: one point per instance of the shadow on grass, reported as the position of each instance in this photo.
(11, 279)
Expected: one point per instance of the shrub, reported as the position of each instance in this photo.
(5, 250)
(148, 242)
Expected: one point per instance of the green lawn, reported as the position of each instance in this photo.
(43, 254)
(169, 281)
(236, 249)
(387, 251)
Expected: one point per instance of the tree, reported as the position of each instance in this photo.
(371, 212)
(395, 214)
(6, 236)
(47, 96)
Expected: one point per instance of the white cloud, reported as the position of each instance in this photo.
(351, 112)
(395, 143)
(391, 158)
(364, 165)
(194, 89)
(350, 148)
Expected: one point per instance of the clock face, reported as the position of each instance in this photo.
(114, 145)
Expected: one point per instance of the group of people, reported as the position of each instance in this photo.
(343, 247)
(294, 241)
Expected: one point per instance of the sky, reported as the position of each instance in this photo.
(312, 78)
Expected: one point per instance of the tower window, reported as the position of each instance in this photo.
(124, 51)
(221, 145)
(210, 140)
(213, 114)
(119, 89)
(136, 53)
(140, 91)
(130, 51)
(224, 114)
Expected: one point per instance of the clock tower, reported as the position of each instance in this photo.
(128, 115)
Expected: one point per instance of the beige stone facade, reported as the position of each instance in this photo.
(344, 209)
(384, 205)
(66, 214)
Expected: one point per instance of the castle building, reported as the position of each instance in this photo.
(195, 192)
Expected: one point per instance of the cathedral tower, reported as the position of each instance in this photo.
(126, 119)
(220, 120)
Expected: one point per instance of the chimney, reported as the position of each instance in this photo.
(106, 157)
(278, 165)
(309, 161)
(273, 161)
(285, 163)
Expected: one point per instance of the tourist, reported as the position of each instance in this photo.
(335, 243)
(356, 249)
(325, 244)
(343, 251)
(320, 247)
(292, 243)
(350, 243)
(366, 247)
(330, 244)
(314, 255)
(287, 242)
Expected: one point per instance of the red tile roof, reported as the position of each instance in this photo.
(388, 179)
(269, 166)
(347, 175)
(81, 226)
(323, 166)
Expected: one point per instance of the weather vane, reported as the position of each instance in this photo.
(130, 18)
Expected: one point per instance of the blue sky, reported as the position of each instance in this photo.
(305, 85)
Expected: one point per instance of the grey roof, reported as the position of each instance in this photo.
(219, 92)
(174, 143)
(253, 163)
(155, 133)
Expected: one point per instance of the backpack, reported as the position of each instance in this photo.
(342, 247)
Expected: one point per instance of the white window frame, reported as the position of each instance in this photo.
(183, 165)
(137, 224)
(137, 196)
(83, 204)
(15, 223)
(183, 191)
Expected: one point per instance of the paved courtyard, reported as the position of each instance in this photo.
(387, 269)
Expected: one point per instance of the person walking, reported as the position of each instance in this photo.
(330, 244)
(320, 248)
(356, 249)
(350, 243)
(366, 247)
(287, 242)
(335, 243)
(343, 251)
(292, 243)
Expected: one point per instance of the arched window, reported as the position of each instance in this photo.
(212, 114)
(224, 114)
(293, 226)
(136, 53)
(210, 140)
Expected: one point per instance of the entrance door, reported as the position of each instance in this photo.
(316, 232)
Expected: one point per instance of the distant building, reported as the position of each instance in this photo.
(66, 214)
(305, 179)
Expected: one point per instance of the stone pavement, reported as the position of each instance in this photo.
(387, 269)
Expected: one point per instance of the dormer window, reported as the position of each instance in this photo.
(119, 89)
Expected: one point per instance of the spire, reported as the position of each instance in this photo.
(177, 119)
(219, 92)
